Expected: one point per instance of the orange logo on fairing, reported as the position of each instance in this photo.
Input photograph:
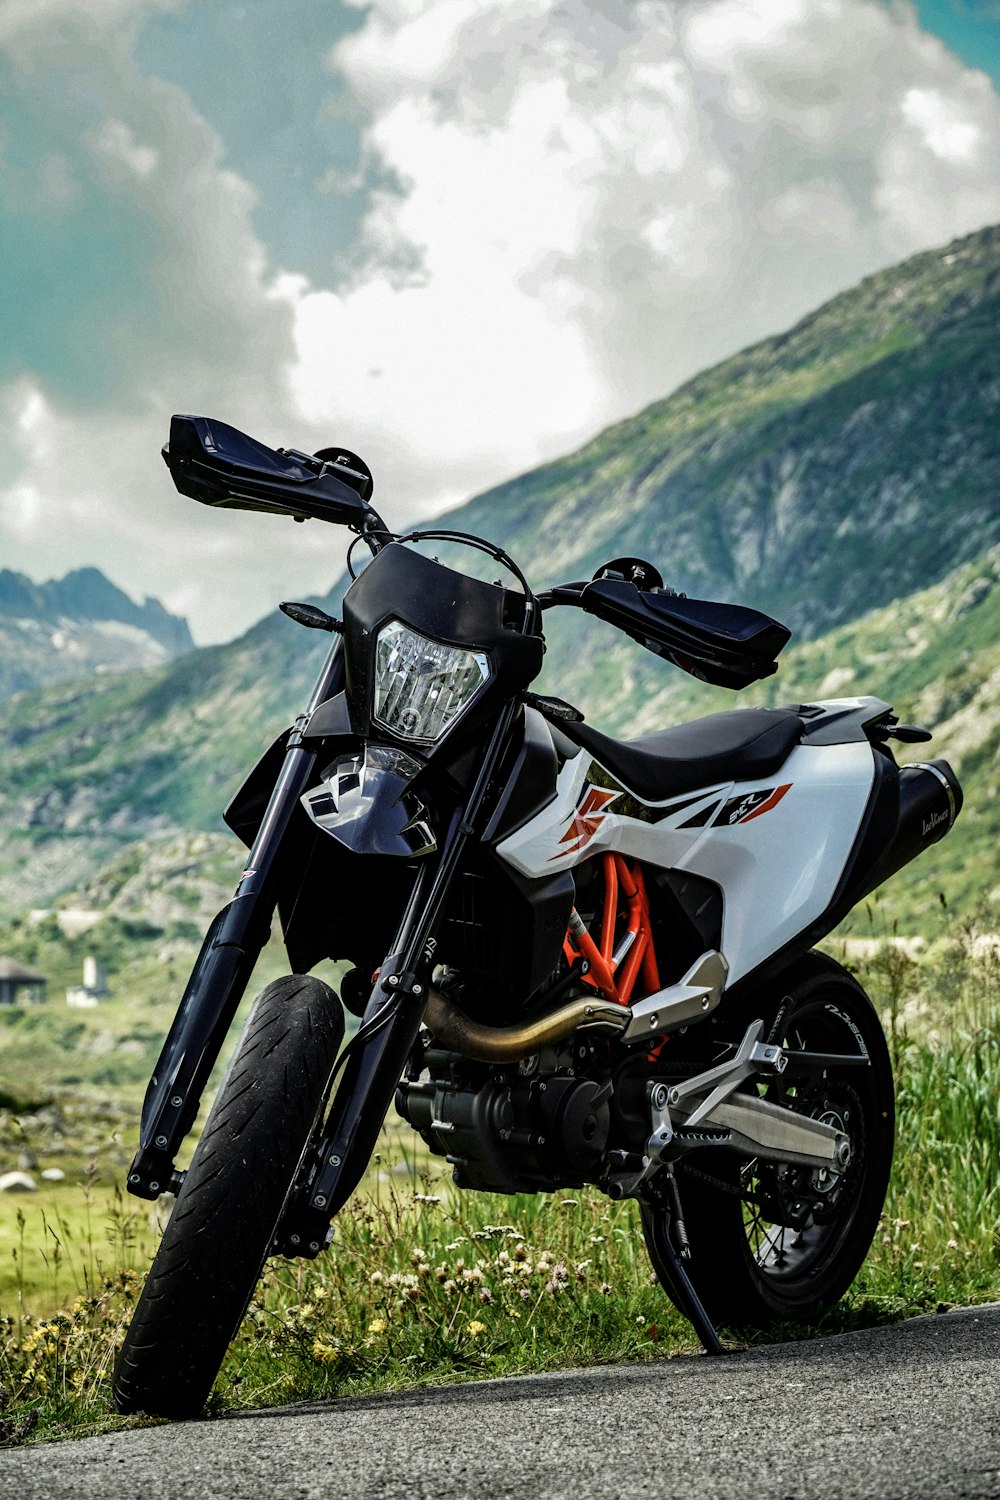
(585, 822)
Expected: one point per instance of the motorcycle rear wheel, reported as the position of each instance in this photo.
(748, 1267)
(223, 1223)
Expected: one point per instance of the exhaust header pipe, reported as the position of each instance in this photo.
(459, 1033)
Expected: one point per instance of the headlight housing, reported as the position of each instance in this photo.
(422, 685)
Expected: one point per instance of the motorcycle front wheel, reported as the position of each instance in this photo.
(223, 1223)
(754, 1262)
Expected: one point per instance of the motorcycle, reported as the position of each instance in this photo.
(575, 960)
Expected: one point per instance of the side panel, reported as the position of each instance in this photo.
(776, 847)
(779, 871)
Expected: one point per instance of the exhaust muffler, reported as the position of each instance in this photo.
(930, 799)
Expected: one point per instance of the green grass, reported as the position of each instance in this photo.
(424, 1284)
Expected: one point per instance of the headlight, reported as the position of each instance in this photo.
(421, 686)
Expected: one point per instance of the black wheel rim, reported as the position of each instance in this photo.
(788, 1247)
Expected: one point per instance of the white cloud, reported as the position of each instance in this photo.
(192, 323)
(116, 142)
(597, 200)
(580, 204)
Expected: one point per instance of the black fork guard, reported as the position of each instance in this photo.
(222, 969)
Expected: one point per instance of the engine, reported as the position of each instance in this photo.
(539, 1124)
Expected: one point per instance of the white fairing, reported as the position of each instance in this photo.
(777, 856)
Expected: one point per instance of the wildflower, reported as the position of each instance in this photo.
(953, 1244)
(475, 1328)
(640, 1320)
(324, 1354)
(376, 1278)
(523, 1293)
(376, 1326)
(605, 1288)
(485, 1295)
(450, 1286)
(417, 1256)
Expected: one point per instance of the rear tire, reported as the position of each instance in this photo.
(223, 1223)
(749, 1268)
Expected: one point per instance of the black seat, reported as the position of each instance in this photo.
(738, 746)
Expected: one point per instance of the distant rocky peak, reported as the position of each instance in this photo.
(85, 594)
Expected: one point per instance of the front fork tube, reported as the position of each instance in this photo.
(222, 970)
(388, 1031)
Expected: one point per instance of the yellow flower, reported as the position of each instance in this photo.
(376, 1326)
(475, 1328)
(324, 1354)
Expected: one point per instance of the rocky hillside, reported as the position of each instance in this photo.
(845, 463)
(92, 766)
(74, 626)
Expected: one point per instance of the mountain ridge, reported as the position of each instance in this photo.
(82, 623)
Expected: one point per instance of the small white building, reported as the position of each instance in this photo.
(94, 988)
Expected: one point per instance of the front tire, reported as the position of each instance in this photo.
(749, 1264)
(223, 1223)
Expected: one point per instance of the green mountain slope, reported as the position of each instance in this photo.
(843, 464)
(91, 766)
(144, 756)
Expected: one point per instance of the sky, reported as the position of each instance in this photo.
(457, 236)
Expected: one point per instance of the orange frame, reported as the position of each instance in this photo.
(624, 887)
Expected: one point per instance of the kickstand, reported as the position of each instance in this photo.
(688, 1299)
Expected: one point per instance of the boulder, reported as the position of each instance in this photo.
(17, 1182)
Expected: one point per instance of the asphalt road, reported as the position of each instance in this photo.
(902, 1412)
